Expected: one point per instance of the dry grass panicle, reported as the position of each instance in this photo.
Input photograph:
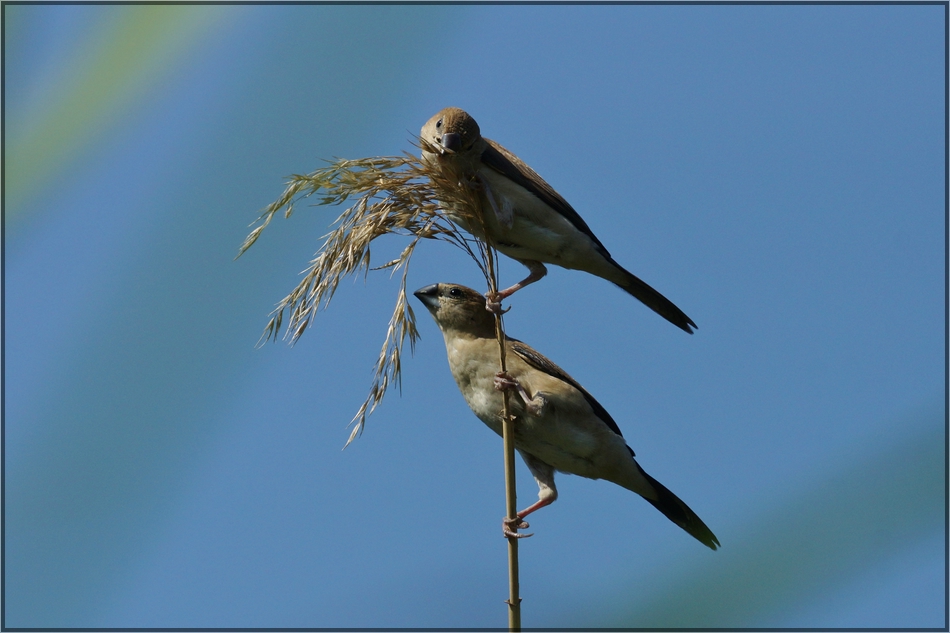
(399, 195)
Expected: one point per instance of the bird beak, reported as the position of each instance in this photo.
(451, 142)
(429, 296)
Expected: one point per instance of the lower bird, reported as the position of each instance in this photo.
(558, 425)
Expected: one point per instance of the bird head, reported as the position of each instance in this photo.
(459, 309)
(451, 130)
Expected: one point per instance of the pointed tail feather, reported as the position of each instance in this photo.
(655, 301)
(679, 513)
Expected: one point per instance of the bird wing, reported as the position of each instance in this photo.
(510, 166)
(542, 363)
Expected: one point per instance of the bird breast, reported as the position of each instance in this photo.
(473, 366)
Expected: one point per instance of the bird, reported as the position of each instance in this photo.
(558, 425)
(530, 222)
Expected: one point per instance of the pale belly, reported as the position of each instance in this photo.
(522, 227)
(553, 439)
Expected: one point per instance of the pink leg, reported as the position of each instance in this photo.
(537, 505)
(509, 525)
(536, 271)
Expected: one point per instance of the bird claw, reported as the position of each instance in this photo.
(534, 407)
(517, 524)
(493, 303)
(504, 382)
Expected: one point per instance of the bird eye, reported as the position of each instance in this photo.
(439, 123)
(455, 292)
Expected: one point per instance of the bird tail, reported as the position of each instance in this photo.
(678, 512)
(653, 299)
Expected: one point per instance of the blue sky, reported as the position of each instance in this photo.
(777, 171)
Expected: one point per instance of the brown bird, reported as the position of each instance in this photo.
(558, 425)
(530, 222)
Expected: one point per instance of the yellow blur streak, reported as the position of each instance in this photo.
(133, 51)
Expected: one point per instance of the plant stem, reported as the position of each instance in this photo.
(514, 600)
(511, 507)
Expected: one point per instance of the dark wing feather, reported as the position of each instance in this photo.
(509, 165)
(542, 363)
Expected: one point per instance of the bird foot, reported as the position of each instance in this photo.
(503, 382)
(493, 303)
(534, 406)
(508, 526)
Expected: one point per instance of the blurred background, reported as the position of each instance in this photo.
(776, 171)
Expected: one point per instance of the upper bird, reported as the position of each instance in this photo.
(530, 222)
(557, 424)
